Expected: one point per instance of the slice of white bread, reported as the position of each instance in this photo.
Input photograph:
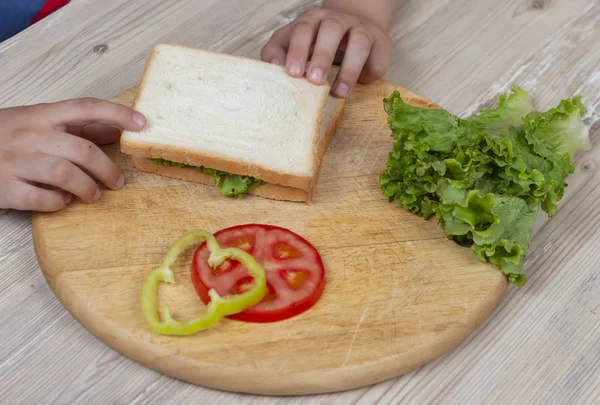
(232, 114)
(333, 112)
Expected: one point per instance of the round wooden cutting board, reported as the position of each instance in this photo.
(398, 293)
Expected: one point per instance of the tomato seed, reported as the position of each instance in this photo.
(242, 285)
(224, 267)
(285, 251)
(245, 243)
(295, 278)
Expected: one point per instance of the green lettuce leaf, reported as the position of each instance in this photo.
(168, 163)
(559, 131)
(485, 178)
(231, 185)
(512, 107)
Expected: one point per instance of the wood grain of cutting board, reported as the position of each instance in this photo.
(398, 293)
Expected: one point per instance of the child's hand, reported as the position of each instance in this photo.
(54, 146)
(367, 48)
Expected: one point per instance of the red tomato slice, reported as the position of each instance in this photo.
(294, 269)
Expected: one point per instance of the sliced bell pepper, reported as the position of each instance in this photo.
(218, 306)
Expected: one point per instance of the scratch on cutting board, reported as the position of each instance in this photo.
(456, 300)
(362, 318)
(371, 270)
(85, 215)
(376, 160)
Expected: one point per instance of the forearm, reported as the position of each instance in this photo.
(378, 11)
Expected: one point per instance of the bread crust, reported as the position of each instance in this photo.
(197, 158)
(266, 190)
(192, 158)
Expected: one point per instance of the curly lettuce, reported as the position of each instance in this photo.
(230, 185)
(485, 178)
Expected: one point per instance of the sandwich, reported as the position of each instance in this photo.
(236, 123)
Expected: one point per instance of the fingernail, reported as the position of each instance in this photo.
(68, 198)
(276, 62)
(342, 90)
(295, 68)
(97, 195)
(317, 75)
(138, 119)
(121, 181)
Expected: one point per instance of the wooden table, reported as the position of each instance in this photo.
(541, 346)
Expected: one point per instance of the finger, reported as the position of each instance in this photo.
(276, 49)
(303, 35)
(331, 32)
(378, 61)
(57, 172)
(21, 196)
(83, 111)
(359, 46)
(82, 153)
(100, 134)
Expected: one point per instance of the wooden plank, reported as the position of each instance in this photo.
(105, 52)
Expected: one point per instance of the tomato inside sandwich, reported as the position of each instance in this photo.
(294, 271)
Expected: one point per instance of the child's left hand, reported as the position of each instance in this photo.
(367, 48)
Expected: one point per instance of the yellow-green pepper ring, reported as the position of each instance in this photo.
(218, 307)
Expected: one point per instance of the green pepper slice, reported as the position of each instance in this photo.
(218, 307)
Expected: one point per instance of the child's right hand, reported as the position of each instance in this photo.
(341, 26)
(54, 145)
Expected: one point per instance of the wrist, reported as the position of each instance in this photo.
(378, 11)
